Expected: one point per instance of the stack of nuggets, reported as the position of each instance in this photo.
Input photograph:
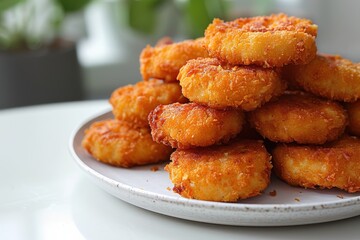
(241, 74)
(125, 141)
(236, 80)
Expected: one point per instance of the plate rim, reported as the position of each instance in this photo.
(254, 207)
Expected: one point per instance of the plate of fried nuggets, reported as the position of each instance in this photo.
(231, 118)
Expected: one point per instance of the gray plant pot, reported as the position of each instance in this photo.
(37, 77)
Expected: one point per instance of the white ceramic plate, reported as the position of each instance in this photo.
(151, 190)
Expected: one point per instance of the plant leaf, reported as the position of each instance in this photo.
(143, 15)
(5, 4)
(199, 13)
(72, 5)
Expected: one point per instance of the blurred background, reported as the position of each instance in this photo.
(68, 50)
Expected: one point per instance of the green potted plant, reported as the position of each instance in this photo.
(37, 63)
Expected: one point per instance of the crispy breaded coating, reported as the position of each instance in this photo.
(133, 103)
(353, 110)
(334, 165)
(164, 60)
(122, 144)
(328, 76)
(193, 125)
(225, 173)
(299, 117)
(217, 85)
(268, 41)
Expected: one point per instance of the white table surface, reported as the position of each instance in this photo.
(45, 195)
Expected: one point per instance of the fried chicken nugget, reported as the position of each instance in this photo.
(299, 117)
(268, 41)
(353, 110)
(122, 144)
(223, 173)
(334, 165)
(328, 76)
(164, 60)
(193, 125)
(217, 85)
(133, 103)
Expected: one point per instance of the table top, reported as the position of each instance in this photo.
(45, 195)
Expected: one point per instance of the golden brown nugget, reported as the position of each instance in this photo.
(334, 165)
(328, 76)
(224, 173)
(353, 110)
(193, 125)
(299, 117)
(217, 85)
(121, 144)
(268, 41)
(164, 60)
(133, 103)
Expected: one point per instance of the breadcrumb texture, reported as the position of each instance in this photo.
(191, 124)
(328, 76)
(120, 144)
(268, 41)
(299, 117)
(133, 103)
(335, 165)
(224, 173)
(208, 81)
(164, 60)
